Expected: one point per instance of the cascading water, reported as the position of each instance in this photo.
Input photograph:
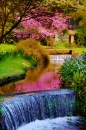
(23, 108)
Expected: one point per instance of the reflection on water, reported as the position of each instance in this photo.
(32, 75)
(49, 80)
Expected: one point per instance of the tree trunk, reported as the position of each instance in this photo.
(1, 39)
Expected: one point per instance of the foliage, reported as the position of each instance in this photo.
(10, 39)
(43, 26)
(32, 47)
(48, 41)
(80, 37)
(49, 80)
(13, 11)
(79, 23)
(9, 10)
(73, 74)
(79, 18)
(66, 6)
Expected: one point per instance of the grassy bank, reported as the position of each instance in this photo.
(6, 47)
(13, 66)
(66, 46)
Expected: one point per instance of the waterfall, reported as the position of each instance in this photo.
(23, 108)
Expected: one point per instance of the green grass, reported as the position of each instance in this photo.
(13, 66)
(61, 45)
(65, 46)
(6, 47)
(80, 49)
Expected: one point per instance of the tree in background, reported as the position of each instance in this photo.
(12, 9)
(8, 11)
(79, 19)
(42, 26)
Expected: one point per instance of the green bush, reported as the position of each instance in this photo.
(80, 37)
(49, 41)
(33, 48)
(73, 73)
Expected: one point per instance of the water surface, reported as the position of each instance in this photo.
(61, 123)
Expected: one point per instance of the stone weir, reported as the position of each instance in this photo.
(21, 109)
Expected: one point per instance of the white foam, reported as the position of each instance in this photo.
(48, 124)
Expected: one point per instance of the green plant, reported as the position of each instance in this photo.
(32, 48)
(48, 41)
(73, 74)
(80, 37)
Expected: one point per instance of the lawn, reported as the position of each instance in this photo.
(80, 50)
(6, 47)
(13, 66)
(65, 45)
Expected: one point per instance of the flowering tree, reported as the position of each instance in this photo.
(34, 9)
(8, 11)
(41, 26)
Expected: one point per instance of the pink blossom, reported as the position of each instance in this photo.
(41, 27)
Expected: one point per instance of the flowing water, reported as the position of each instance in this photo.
(61, 123)
(24, 108)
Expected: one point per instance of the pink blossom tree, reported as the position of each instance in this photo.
(42, 11)
(8, 11)
(41, 26)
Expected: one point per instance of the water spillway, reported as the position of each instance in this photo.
(27, 107)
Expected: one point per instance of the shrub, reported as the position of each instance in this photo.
(32, 47)
(48, 41)
(80, 37)
(73, 74)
